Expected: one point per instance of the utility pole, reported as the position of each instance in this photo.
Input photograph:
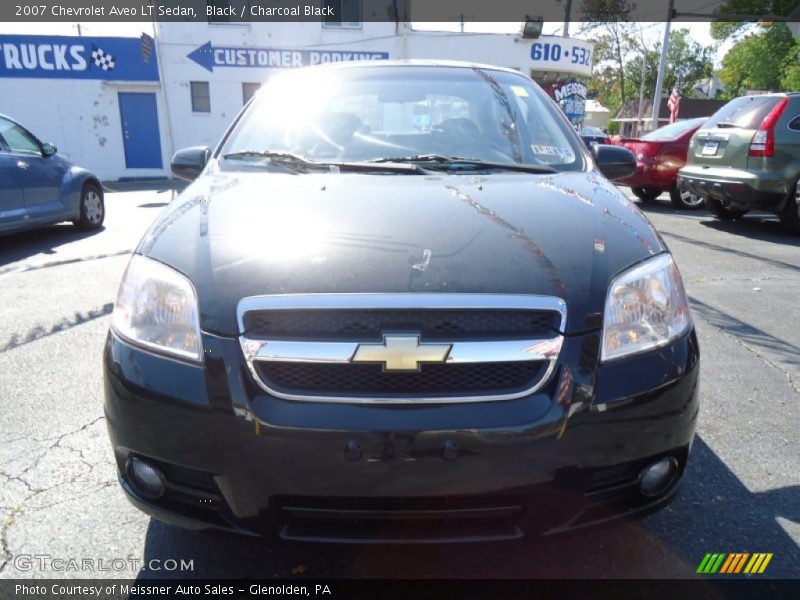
(662, 66)
(567, 15)
(639, 120)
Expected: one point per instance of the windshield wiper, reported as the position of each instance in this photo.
(725, 124)
(460, 160)
(289, 159)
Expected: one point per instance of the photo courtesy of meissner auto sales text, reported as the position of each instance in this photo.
(399, 299)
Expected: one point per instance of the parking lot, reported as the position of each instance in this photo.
(58, 489)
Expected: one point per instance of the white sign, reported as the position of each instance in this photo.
(562, 55)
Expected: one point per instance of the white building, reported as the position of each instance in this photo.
(122, 121)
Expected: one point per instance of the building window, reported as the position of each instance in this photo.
(201, 96)
(346, 14)
(248, 91)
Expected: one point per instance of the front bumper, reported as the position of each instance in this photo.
(561, 459)
(736, 188)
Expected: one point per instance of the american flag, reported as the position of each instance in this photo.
(674, 103)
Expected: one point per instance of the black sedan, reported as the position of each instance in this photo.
(401, 302)
(592, 136)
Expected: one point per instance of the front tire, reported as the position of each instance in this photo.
(92, 208)
(719, 210)
(646, 194)
(790, 215)
(684, 199)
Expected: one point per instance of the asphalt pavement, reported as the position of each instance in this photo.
(58, 492)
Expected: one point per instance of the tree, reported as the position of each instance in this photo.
(791, 74)
(722, 30)
(687, 61)
(614, 38)
(761, 61)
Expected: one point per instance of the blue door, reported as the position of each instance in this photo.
(140, 135)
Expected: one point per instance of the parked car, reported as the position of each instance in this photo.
(748, 157)
(659, 155)
(401, 302)
(38, 188)
(593, 135)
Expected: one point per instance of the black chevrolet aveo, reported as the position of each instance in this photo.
(401, 302)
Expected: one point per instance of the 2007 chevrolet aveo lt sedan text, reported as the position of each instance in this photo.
(401, 302)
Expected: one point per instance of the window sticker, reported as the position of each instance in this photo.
(519, 91)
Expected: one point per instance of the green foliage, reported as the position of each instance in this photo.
(766, 60)
(790, 82)
(722, 30)
(687, 60)
(615, 40)
(617, 74)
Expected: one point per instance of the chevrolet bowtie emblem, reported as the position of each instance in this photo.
(401, 353)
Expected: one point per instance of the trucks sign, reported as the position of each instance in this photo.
(72, 57)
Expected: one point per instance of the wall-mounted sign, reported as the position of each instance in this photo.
(562, 55)
(210, 57)
(571, 97)
(71, 57)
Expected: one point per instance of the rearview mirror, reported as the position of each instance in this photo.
(189, 163)
(49, 149)
(615, 162)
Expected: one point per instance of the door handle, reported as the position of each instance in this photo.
(22, 164)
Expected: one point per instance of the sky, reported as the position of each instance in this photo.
(653, 32)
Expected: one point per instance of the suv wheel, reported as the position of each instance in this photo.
(790, 215)
(719, 210)
(92, 208)
(646, 194)
(684, 198)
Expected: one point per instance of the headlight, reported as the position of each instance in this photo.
(646, 308)
(157, 308)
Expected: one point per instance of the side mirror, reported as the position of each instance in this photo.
(189, 163)
(49, 149)
(615, 162)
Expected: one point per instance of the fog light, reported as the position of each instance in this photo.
(656, 477)
(147, 479)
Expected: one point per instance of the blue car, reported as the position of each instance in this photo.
(39, 188)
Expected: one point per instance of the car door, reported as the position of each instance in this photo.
(12, 201)
(39, 176)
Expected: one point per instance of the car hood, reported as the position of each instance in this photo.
(243, 234)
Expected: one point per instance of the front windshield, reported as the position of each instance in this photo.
(378, 113)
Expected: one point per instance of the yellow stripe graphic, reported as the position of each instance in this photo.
(755, 562)
(765, 563)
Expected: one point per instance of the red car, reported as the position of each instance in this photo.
(659, 155)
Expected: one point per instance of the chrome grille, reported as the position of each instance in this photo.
(453, 347)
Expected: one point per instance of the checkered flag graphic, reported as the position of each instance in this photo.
(103, 59)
